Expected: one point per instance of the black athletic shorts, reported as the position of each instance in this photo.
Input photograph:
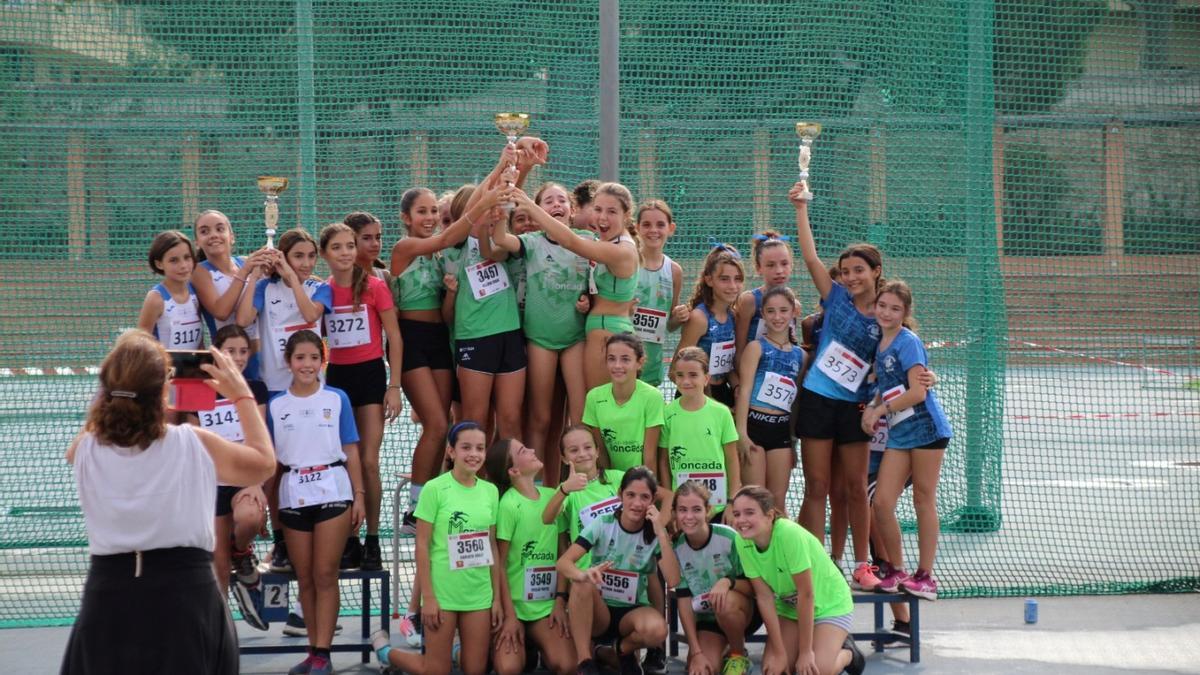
(426, 345)
(615, 614)
(772, 432)
(494, 355)
(825, 418)
(305, 518)
(364, 383)
(756, 622)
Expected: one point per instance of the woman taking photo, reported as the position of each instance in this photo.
(147, 488)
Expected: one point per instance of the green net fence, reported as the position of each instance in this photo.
(1027, 165)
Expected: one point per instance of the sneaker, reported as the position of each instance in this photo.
(737, 665)
(295, 626)
(372, 557)
(891, 582)
(864, 578)
(588, 667)
(410, 630)
(921, 584)
(304, 667)
(857, 660)
(379, 640)
(901, 628)
(249, 599)
(245, 567)
(279, 558)
(323, 666)
(351, 555)
(629, 664)
(408, 526)
(655, 662)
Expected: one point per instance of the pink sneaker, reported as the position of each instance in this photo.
(864, 578)
(921, 585)
(890, 583)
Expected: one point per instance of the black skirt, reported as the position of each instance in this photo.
(170, 619)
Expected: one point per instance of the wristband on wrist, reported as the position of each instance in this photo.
(393, 386)
(560, 489)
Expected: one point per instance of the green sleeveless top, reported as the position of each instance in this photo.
(610, 287)
(419, 286)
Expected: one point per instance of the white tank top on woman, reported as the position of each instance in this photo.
(139, 500)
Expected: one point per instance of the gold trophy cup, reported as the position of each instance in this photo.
(808, 132)
(271, 186)
(512, 125)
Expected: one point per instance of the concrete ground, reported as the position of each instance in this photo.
(1075, 635)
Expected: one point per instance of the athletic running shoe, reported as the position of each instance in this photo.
(857, 660)
(864, 578)
(410, 630)
(372, 557)
(379, 640)
(323, 666)
(921, 585)
(250, 603)
(408, 526)
(279, 558)
(351, 555)
(901, 628)
(588, 667)
(655, 662)
(295, 626)
(737, 665)
(245, 567)
(890, 583)
(629, 664)
(304, 667)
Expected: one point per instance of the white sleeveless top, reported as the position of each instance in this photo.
(139, 500)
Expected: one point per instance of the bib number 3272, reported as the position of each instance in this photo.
(348, 328)
(842, 366)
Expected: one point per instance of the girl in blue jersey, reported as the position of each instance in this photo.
(608, 600)
(773, 263)
(918, 433)
(220, 279)
(171, 311)
(770, 369)
(321, 491)
(711, 324)
(827, 416)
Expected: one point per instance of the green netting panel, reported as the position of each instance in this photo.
(1028, 166)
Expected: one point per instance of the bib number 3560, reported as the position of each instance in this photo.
(470, 549)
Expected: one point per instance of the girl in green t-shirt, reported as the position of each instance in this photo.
(460, 584)
(534, 594)
(608, 600)
(801, 594)
(716, 606)
(587, 490)
(625, 416)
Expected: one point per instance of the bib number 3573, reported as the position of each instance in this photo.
(470, 549)
(842, 366)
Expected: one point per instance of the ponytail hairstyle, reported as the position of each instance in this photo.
(654, 205)
(165, 241)
(869, 254)
(900, 289)
(458, 203)
(625, 197)
(301, 337)
(637, 473)
(409, 198)
(358, 276)
(691, 487)
(601, 463)
(585, 192)
(761, 495)
(200, 255)
(228, 332)
(452, 438)
(288, 241)
(129, 410)
(634, 342)
(765, 240)
(784, 291)
(497, 462)
(695, 354)
(537, 197)
(721, 254)
(357, 220)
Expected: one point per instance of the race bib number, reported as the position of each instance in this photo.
(348, 328)
(589, 513)
(281, 341)
(879, 437)
(470, 549)
(777, 391)
(223, 421)
(487, 278)
(619, 586)
(721, 357)
(713, 480)
(540, 582)
(896, 416)
(650, 325)
(275, 601)
(702, 604)
(313, 485)
(842, 366)
(186, 334)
